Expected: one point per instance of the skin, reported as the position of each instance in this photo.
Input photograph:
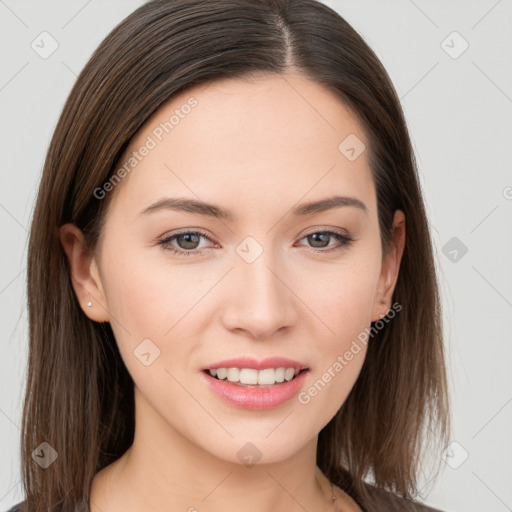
(257, 147)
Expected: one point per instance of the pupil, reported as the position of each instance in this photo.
(188, 236)
(319, 235)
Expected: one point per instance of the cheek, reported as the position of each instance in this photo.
(148, 304)
(145, 298)
(342, 294)
(344, 309)
(153, 298)
(342, 300)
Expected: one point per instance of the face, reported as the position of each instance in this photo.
(185, 289)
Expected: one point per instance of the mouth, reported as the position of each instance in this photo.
(257, 386)
(254, 378)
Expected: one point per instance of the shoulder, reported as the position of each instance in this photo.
(22, 507)
(377, 499)
(19, 507)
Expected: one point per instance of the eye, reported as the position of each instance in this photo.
(318, 239)
(187, 240)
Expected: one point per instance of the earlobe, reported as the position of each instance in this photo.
(84, 274)
(390, 269)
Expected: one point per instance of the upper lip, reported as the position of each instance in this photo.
(250, 362)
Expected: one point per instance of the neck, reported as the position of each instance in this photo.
(164, 470)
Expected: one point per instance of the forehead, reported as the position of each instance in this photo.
(277, 137)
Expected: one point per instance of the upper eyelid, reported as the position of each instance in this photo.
(188, 232)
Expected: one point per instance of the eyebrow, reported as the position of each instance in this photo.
(200, 207)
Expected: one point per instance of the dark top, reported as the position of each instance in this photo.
(384, 501)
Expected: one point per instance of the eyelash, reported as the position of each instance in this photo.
(345, 241)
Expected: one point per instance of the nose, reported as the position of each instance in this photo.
(259, 300)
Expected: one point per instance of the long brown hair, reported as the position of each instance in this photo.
(79, 395)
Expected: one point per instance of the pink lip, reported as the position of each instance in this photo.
(255, 398)
(249, 362)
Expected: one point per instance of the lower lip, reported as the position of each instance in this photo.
(257, 399)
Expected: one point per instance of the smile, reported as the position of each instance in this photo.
(253, 377)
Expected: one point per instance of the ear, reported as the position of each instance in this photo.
(390, 268)
(84, 274)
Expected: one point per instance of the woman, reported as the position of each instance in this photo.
(224, 310)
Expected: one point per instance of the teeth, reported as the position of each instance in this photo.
(279, 374)
(266, 377)
(289, 373)
(250, 376)
(233, 374)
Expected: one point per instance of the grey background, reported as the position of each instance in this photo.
(459, 112)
